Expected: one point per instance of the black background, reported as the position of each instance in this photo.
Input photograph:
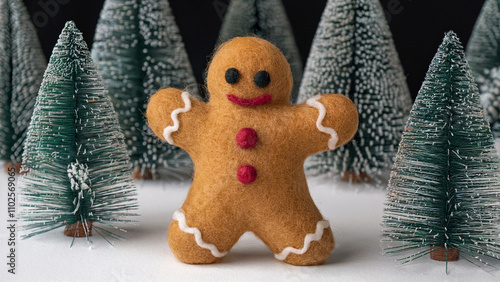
(418, 26)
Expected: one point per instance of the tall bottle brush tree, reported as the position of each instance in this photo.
(75, 154)
(483, 54)
(138, 50)
(445, 184)
(353, 54)
(266, 19)
(22, 64)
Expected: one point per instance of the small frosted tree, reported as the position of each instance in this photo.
(22, 64)
(353, 54)
(483, 54)
(445, 184)
(489, 89)
(138, 50)
(75, 155)
(268, 20)
(483, 50)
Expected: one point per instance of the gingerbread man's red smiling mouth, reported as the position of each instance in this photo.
(257, 101)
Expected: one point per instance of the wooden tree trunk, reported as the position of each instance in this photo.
(78, 229)
(443, 254)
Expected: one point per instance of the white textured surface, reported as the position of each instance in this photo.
(354, 215)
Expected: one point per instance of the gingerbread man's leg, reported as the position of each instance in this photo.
(305, 240)
(202, 242)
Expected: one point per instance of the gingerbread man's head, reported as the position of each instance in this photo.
(249, 71)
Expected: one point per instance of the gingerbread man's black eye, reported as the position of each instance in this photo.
(262, 79)
(232, 75)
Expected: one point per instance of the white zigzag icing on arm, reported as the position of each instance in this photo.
(181, 218)
(167, 132)
(314, 102)
(320, 226)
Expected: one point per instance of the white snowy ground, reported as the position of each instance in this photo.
(355, 215)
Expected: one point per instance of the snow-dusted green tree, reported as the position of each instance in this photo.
(353, 54)
(22, 64)
(138, 50)
(483, 50)
(489, 89)
(445, 184)
(483, 54)
(75, 155)
(266, 19)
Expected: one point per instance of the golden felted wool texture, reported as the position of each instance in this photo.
(276, 205)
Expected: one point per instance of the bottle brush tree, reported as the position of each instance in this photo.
(353, 54)
(483, 54)
(266, 19)
(22, 64)
(75, 155)
(138, 49)
(445, 184)
(489, 89)
(483, 50)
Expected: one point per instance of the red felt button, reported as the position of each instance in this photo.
(247, 174)
(247, 138)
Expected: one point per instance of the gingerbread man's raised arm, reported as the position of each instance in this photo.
(175, 116)
(325, 122)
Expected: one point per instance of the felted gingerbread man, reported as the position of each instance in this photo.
(248, 145)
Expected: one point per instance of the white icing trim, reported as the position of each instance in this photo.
(181, 218)
(314, 102)
(320, 226)
(167, 132)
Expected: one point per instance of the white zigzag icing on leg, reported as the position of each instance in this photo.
(167, 132)
(314, 102)
(320, 226)
(181, 218)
